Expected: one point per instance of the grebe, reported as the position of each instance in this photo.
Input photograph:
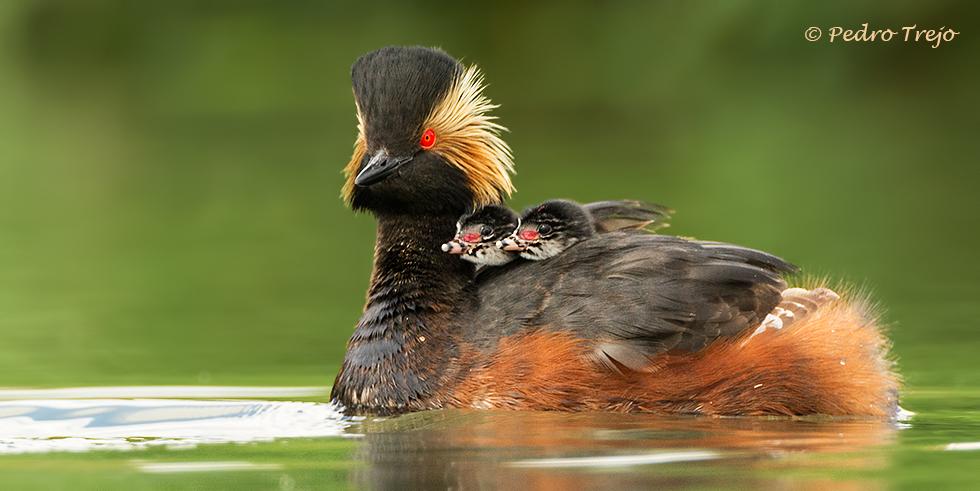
(619, 322)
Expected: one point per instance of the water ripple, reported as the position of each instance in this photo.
(82, 425)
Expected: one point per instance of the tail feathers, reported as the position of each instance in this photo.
(797, 303)
(832, 360)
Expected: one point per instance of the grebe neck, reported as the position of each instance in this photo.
(402, 351)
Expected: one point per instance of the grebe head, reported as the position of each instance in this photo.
(477, 234)
(547, 229)
(426, 143)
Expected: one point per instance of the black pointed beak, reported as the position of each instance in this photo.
(379, 168)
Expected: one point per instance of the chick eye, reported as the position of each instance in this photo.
(544, 229)
(486, 231)
(428, 138)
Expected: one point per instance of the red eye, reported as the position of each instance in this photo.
(529, 234)
(428, 138)
(471, 237)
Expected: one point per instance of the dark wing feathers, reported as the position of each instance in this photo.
(731, 273)
(634, 296)
(609, 216)
(753, 257)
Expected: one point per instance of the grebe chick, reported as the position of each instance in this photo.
(546, 230)
(477, 234)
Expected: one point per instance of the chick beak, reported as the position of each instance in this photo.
(454, 247)
(512, 243)
(379, 168)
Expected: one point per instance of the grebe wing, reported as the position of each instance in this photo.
(631, 296)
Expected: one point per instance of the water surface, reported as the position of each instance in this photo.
(169, 216)
(256, 444)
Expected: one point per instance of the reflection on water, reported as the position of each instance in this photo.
(297, 445)
(80, 425)
(476, 450)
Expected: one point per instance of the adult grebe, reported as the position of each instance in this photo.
(620, 322)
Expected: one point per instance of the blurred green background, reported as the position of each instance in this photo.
(170, 171)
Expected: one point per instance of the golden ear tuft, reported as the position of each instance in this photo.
(469, 139)
(350, 171)
(466, 136)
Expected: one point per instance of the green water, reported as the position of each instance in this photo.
(493, 450)
(169, 211)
